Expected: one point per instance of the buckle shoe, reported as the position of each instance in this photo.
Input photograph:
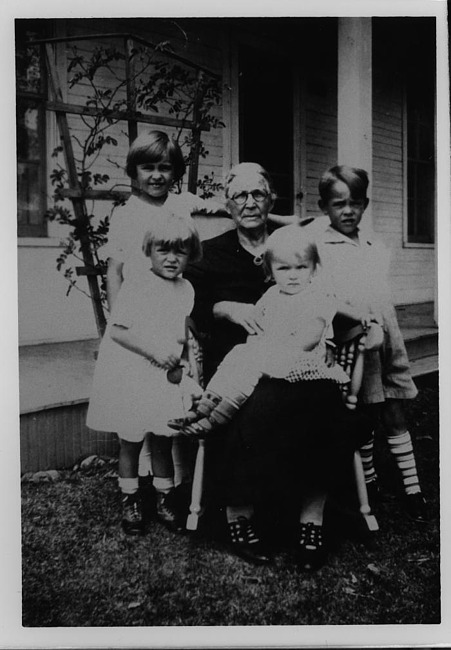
(245, 542)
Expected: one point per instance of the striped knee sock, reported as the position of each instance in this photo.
(367, 456)
(402, 449)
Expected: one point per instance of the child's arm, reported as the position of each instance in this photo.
(362, 314)
(278, 220)
(114, 279)
(136, 341)
(239, 313)
(212, 207)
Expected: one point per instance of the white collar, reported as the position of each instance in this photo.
(332, 236)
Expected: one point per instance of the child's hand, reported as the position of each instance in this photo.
(168, 358)
(242, 314)
(166, 361)
(330, 354)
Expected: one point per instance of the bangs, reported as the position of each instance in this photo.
(175, 233)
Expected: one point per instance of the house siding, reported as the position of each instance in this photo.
(412, 271)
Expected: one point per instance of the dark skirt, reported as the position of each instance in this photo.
(289, 437)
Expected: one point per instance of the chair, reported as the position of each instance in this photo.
(350, 346)
(195, 363)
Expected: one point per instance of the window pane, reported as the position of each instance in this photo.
(30, 129)
(29, 201)
(420, 103)
(28, 63)
(28, 141)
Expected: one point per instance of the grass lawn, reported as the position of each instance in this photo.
(79, 569)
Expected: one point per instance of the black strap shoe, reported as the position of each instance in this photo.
(311, 551)
(245, 542)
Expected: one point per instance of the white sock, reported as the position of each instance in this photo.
(128, 485)
(163, 484)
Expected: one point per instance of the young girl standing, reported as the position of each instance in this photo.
(132, 391)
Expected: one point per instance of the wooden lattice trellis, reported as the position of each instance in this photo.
(75, 192)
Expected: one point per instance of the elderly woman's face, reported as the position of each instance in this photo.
(249, 200)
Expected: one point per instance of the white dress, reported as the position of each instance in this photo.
(131, 221)
(130, 396)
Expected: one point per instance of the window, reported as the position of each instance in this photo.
(30, 130)
(420, 121)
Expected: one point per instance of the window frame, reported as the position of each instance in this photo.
(27, 230)
(409, 240)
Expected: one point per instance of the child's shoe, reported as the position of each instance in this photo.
(416, 507)
(132, 517)
(311, 552)
(246, 543)
(167, 512)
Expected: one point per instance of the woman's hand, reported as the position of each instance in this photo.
(240, 313)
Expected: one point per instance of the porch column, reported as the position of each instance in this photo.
(355, 146)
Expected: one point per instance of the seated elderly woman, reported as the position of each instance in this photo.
(290, 435)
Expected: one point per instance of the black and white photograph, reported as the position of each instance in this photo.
(186, 470)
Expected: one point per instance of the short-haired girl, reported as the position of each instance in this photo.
(132, 391)
(155, 163)
(294, 427)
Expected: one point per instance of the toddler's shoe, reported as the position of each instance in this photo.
(132, 516)
(416, 507)
(311, 553)
(245, 541)
(167, 512)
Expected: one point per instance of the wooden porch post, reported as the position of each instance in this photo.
(355, 146)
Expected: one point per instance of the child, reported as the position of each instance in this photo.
(301, 417)
(295, 315)
(134, 391)
(358, 266)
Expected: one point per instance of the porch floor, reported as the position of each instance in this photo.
(60, 374)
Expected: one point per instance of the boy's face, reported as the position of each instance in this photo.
(344, 211)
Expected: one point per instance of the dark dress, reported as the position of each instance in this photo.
(226, 272)
(287, 438)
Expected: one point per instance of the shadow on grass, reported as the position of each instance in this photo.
(80, 570)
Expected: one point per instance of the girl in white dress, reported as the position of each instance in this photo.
(134, 391)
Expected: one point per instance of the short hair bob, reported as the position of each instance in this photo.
(287, 241)
(152, 146)
(356, 179)
(249, 168)
(176, 232)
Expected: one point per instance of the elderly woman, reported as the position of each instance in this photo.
(230, 278)
(271, 447)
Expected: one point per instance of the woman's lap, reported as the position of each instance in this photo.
(289, 436)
